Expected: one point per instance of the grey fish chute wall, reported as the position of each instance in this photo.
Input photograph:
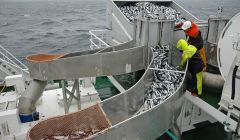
(110, 61)
(122, 109)
(29, 98)
(126, 104)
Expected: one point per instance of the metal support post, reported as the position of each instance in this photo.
(68, 100)
(78, 94)
(64, 96)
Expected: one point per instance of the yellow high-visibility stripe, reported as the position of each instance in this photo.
(199, 82)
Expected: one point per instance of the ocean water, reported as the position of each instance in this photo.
(202, 9)
(61, 26)
(49, 26)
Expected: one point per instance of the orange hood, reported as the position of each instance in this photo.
(193, 31)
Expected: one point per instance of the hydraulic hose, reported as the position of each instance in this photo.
(172, 135)
(233, 92)
(234, 81)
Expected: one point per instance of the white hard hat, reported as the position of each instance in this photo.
(186, 25)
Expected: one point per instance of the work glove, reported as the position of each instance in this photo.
(204, 68)
(179, 67)
(178, 25)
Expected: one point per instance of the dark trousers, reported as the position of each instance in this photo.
(194, 68)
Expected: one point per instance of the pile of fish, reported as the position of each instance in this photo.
(166, 80)
(75, 135)
(150, 10)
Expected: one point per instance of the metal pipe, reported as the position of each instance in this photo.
(213, 80)
(29, 98)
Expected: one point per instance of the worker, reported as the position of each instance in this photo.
(194, 38)
(195, 65)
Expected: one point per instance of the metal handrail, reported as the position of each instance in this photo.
(95, 45)
(12, 65)
(101, 43)
(7, 59)
(12, 61)
(11, 58)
